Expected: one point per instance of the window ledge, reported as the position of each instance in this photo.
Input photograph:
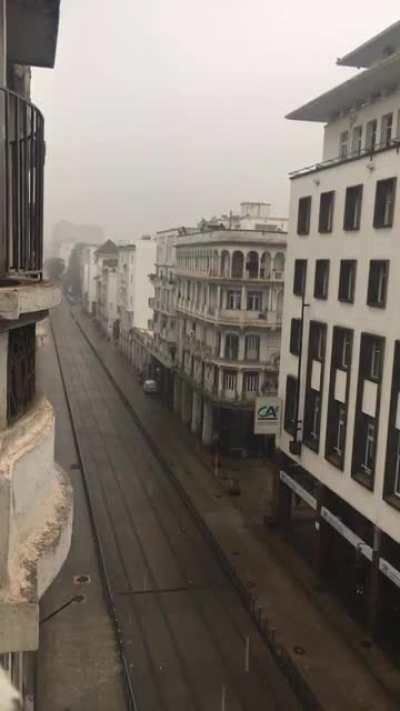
(392, 500)
(335, 460)
(365, 480)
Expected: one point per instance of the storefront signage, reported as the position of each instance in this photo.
(387, 569)
(347, 533)
(299, 490)
(267, 415)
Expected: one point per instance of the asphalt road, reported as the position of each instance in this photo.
(184, 631)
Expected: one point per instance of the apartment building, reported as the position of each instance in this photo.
(229, 299)
(89, 289)
(340, 362)
(35, 493)
(135, 264)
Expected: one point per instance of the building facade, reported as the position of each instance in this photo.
(228, 299)
(135, 264)
(35, 493)
(341, 342)
(254, 216)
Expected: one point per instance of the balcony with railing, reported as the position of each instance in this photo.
(22, 152)
(349, 156)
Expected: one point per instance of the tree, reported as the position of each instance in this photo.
(54, 268)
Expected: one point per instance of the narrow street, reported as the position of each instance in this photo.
(185, 635)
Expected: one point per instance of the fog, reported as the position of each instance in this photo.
(159, 113)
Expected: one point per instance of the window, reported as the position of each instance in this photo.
(300, 272)
(290, 423)
(386, 129)
(356, 140)
(304, 216)
(229, 380)
(250, 382)
(339, 386)
(347, 280)
(321, 279)
(370, 141)
(231, 346)
(352, 208)
(295, 336)
(377, 282)
(397, 467)
(314, 384)
(326, 212)
(369, 447)
(343, 144)
(234, 300)
(367, 408)
(384, 202)
(375, 360)
(391, 489)
(252, 347)
(340, 431)
(254, 299)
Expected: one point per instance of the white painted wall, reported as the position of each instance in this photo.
(363, 245)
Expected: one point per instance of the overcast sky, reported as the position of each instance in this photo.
(160, 112)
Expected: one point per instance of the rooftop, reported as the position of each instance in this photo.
(379, 79)
(375, 49)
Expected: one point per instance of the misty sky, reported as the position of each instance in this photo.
(161, 112)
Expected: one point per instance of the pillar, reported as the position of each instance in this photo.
(207, 429)
(196, 413)
(373, 588)
(177, 393)
(186, 405)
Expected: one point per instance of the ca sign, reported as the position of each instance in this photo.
(267, 415)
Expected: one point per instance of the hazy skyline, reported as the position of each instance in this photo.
(164, 113)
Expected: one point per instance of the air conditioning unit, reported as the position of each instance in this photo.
(263, 315)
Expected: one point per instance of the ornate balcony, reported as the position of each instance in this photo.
(22, 151)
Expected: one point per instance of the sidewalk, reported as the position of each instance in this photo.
(309, 627)
(78, 661)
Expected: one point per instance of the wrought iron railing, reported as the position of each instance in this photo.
(22, 150)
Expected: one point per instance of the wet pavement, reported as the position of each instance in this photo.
(188, 643)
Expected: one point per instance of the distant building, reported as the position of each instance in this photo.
(340, 365)
(252, 216)
(229, 301)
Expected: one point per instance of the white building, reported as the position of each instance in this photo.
(340, 360)
(89, 289)
(135, 264)
(229, 297)
(252, 216)
(35, 493)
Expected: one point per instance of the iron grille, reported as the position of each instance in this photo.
(21, 185)
(21, 371)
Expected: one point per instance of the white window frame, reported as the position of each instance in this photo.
(371, 133)
(315, 416)
(234, 300)
(386, 128)
(356, 140)
(230, 380)
(252, 345)
(254, 300)
(251, 382)
(340, 431)
(369, 447)
(376, 361)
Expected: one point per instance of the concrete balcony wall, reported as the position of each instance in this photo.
(36, 513)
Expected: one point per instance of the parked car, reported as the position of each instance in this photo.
(150, 387)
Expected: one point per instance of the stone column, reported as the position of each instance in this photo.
(196, 412)
(207, 430)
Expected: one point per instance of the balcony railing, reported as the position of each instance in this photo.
(22, 152)
(350, 156)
